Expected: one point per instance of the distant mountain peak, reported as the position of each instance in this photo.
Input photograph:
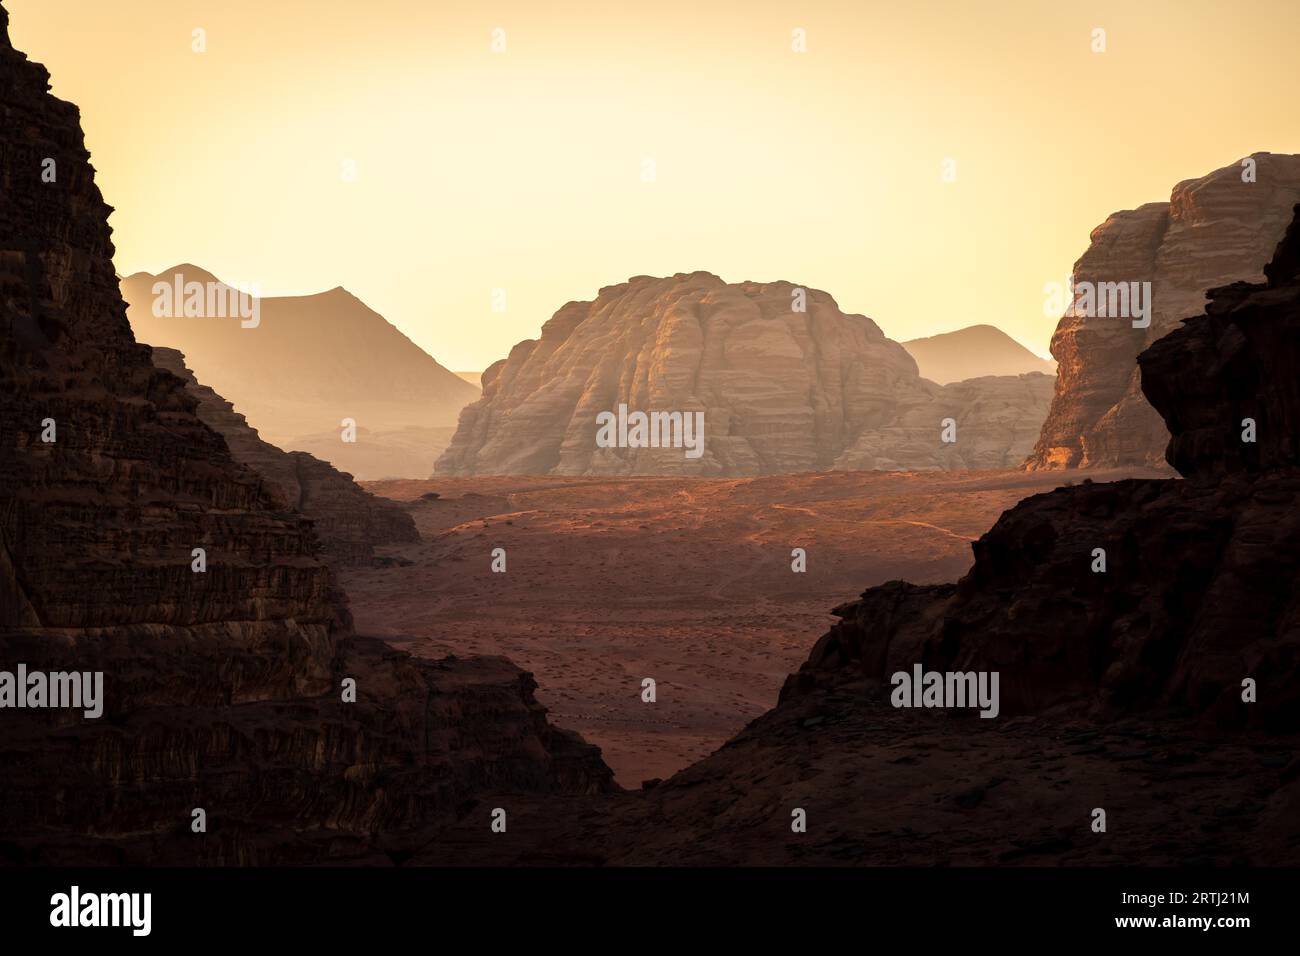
(307, 363)
(973, 352)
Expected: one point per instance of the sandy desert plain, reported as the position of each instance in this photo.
(686, 581)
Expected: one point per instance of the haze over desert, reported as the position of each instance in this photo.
(685, 581)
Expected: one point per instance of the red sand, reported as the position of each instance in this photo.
(686, 581)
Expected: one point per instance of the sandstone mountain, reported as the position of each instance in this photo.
(995, 417)
(780, 390)
(1213, 231)
(221, 687)
(304, 364)
(973, 352)
(348, 520)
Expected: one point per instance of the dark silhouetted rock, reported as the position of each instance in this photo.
(1232, 369)
(1201, 574)
(222, 689)
(348, 520)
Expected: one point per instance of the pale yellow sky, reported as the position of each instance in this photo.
(522, 170)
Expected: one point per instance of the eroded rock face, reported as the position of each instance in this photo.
(348, 520)
(1227, 381)
(995, 419)
(1197, 595)
(222, 688)
(287, 779)
(780, 390)
(1214, 231)
(1200, 577)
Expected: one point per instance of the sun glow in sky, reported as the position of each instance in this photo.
(524, 170)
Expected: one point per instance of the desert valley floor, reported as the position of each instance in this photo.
(686, 581)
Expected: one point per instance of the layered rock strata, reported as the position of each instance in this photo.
(993, 419)
(784, 382)
(1213, 231)
(348, 520)
(223, 686)
(1198, 591)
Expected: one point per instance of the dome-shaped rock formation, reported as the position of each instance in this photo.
(778, 378)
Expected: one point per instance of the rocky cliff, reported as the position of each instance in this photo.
(222, 684)
(994, 418)
(1213, 231)
(784, 381)
(1197, 590)
(348, 520)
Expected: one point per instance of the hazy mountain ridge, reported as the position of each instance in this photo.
(305, 364)
(973, 352)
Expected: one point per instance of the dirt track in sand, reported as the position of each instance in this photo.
(686, 581)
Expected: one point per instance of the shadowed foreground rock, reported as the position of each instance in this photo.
(348, 520)
(1202, 574)
(222, 689)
